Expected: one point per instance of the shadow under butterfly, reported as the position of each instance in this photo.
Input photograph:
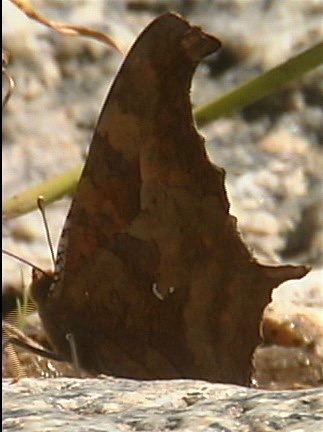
(152, 278)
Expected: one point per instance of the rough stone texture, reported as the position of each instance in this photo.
(292, 330)
(118, 405)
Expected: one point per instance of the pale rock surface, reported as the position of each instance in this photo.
(292, 329)
(108, 404)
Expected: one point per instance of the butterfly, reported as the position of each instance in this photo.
(151, 277)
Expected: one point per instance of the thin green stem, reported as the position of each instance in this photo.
(51, 190)
(255, 89)
(263, 85)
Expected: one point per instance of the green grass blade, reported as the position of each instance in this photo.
(51, 190)
(263, 85)
(255, 89)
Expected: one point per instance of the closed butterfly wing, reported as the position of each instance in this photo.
(152, 278)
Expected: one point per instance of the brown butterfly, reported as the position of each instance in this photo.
(152, 278)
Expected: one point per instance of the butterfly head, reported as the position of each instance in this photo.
(42, 284)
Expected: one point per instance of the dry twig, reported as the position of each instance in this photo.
(65, 28)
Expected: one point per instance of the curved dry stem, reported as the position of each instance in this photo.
(9, 79)
(65, 28)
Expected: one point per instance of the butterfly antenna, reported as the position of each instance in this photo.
(41, 207)
(18, 258)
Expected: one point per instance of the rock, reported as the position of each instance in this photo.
(285, 142)
(292, 329)
(118, 405)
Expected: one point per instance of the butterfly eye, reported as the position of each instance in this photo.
(41, 284)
